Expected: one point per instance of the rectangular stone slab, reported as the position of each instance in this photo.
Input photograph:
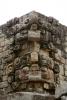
(34, 35)
(34, 56)
(27, 96)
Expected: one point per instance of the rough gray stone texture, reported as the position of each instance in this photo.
(61, 90)
(48, 23)
(33, 56)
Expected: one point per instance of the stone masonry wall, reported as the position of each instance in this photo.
(32, 54)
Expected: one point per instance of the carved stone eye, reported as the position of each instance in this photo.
(9, 68)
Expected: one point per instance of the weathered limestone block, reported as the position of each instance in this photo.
(36, 47)
(33, 35)
(27, 96)
(34, 57)
(34, 73)
(61, 89)
(61, 67)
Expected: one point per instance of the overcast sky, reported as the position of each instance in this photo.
(16, 8)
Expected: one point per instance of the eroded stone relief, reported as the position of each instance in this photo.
(32, 54)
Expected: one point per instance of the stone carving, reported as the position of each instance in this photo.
(34, 34)
(34, 56)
